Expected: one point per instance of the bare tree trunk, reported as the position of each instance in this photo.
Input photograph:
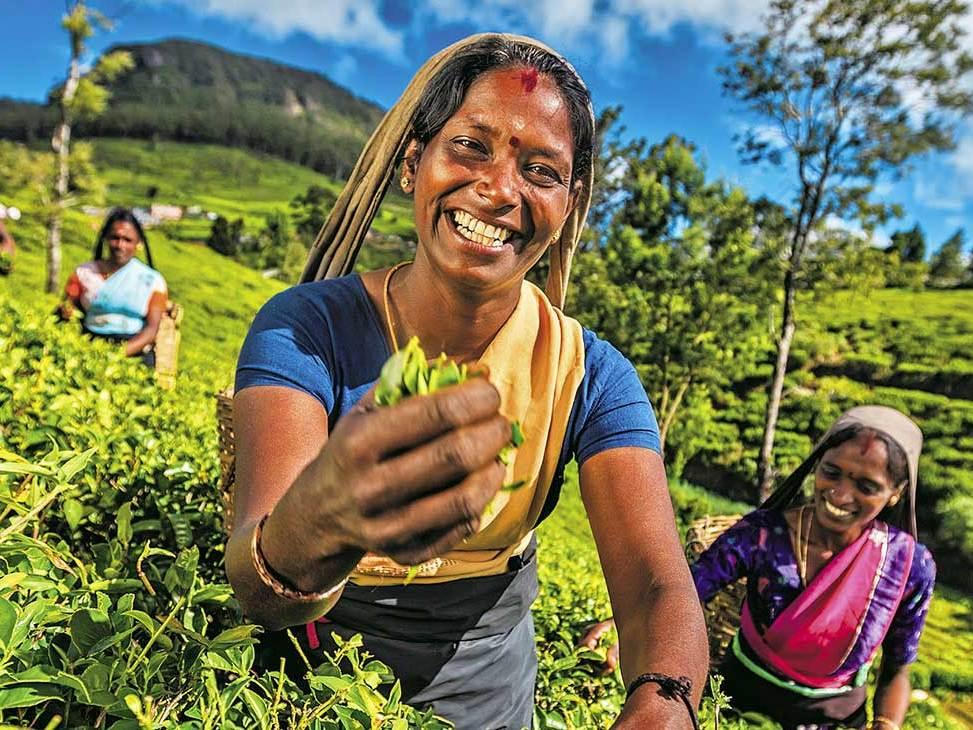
(669, 413)
(61, 143)
(765, 464)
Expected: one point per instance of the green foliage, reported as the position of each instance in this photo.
(192, 92)
(113, 602)
(676, 284)
(310, 211)
(225, 237)
(910, 245)
(947, 267)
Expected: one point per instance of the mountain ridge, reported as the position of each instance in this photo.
(191, 91)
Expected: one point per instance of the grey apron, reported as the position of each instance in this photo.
(464, 648)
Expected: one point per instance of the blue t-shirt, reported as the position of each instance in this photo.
(325, 339)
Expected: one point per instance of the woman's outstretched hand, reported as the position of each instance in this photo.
(409, 481)
(593, 636)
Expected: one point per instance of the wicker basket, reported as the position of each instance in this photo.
(224, 420)
(167, 346)
(723, 612)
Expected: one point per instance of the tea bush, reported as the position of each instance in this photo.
(113, 608)
(114, 611)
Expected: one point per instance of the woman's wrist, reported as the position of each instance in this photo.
(280, 585)
(881, 722)
(648, 708)
(676, 691)
(291, 553)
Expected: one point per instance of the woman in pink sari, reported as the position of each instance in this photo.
(830, 581)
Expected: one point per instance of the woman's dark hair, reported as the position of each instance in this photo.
(445, 93)
(897, 467)
(123, 215)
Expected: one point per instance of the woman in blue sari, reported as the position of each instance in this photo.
(122, 299)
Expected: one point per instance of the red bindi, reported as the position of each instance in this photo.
(869, 439)
(515, 141)
(528, 79)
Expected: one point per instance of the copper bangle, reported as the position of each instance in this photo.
(885, 722)
(269, 579)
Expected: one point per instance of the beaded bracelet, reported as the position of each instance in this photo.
(267, 577)
(669, 687)
(885, 722)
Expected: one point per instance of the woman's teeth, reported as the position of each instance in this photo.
(479, 231)
(837, 511)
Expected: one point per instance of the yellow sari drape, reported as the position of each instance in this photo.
(536, 361)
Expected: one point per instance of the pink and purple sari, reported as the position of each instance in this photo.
(820, 640)
(812, 640)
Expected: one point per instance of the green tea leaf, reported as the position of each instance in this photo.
(411, 574)
(8, 619)
(27, 695)
(73, 512)
(87, 627)
(123, 520)
(67, 472)
(516, 434)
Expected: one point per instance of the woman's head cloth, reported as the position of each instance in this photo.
(894, 424)
(337, 245)
(897, 426)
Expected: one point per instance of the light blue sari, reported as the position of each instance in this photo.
(120, 306)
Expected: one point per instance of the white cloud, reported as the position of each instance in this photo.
(599, 29)
(347, 22)
(961, 160)
(938, 194)
(955, 221)
(659, 16)
(877, 238)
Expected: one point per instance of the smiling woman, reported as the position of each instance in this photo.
(830, 582)
(335, 499)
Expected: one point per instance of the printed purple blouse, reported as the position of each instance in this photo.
(759, 548)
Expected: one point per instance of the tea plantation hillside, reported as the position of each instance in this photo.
(912, 350)
(114, 610)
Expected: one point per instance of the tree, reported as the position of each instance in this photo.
(275, 239)
(836, 83)
(676, 284)
(910, 245)
(311, 210)
(947, 267)
(225, 237)
(82, 96)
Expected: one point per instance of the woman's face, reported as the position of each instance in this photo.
(494, 185)
(122, 240)
(852, 484)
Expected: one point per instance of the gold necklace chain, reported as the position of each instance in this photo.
(386, 302)
(803, 542)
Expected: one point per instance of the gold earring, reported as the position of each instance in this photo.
(405, 183)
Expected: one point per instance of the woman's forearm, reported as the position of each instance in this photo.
(666, 634)
(892, 696)
(137, 343)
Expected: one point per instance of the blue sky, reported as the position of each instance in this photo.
(656, 58)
